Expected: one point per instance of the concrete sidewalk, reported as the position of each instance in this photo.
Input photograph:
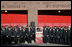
(44, 44)
(34, 44)
(30, 44)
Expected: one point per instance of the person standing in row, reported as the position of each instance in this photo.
(69, 35)
(45, 35)
(29, 35)
(33, 33)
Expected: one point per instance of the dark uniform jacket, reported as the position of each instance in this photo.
(23, 33)
(61, 32)
(26, 31)
(54, 32)
(33, 31)
(57, 33)
(69, 33)
(51, 33)
(65, 33)
(18, 32)
(6, 31)
(45, 32)
(2, 32)
(29, 32)
(12, 33)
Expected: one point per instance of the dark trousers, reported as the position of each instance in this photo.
(57, 40)
(13, 39)
(65, 40)
(3, 40)
(45, 39)
(33, 38)
(8, 40)
(29, 39)
(53, 39)
(22, 39)
(69, 41)
(49, 39)
(26, 39)
(61, 39)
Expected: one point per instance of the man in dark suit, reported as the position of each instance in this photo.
(26, 31)
(54, 34)
(6, 34)
(51, 35)
(3, 36)
(22, 34)
(69, 35)
(57, 36)
(6, 28)
(2, 29)
(45, 35)
(29, 35)
(48, 30)
(65, 35)
(33, 33)
(9, 35)
(61, 35)
(17, 34)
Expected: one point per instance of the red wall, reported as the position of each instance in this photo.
(13, 19)
(54, 20)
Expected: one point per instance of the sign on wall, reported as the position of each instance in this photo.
(25, 5)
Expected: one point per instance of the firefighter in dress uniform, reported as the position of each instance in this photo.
(69, 35)
(45, 35)
(29, 35)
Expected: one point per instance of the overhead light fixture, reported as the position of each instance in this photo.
(5, 10)
(59, 11)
